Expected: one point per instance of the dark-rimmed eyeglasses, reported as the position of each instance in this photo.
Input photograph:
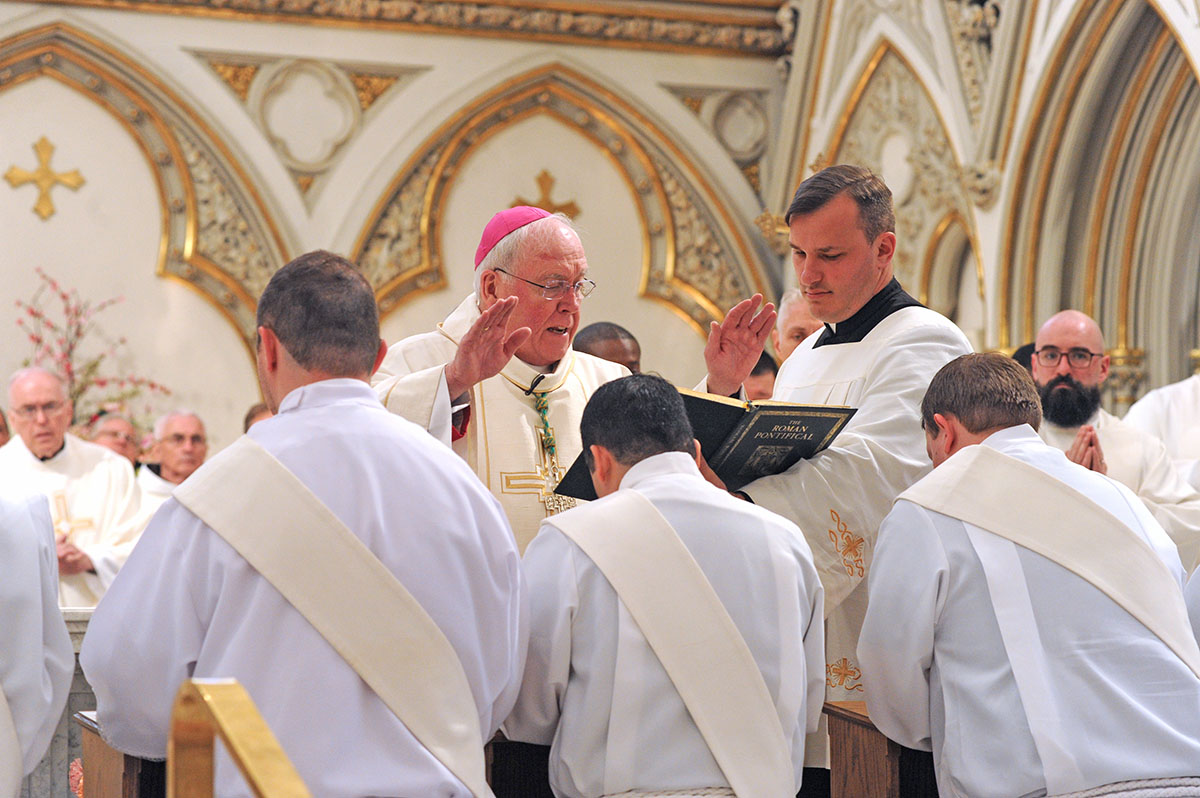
(1077, 358)
(557, 289)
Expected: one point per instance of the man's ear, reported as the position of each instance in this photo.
(268, 347)
(602, 462)
(947, 437)
(379, 356)
(699, 456)
(885, 247)
(488, 291)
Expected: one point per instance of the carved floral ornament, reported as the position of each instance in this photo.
(216, 236)
(694, 259)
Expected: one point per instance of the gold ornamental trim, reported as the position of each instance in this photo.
(939, 232)
(723, 28)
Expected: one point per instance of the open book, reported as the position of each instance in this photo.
(742, 441)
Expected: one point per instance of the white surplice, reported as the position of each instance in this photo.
(504, 433)
(593, 688)
(1172, 414)
(1191, 594)
(187, 605)
(939, 678)
(155, 489)
(36, 657)
(839, 497)
(1139, 461)
(94, 499)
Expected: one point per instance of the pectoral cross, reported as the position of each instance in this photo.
(545, 182)
(64, 525)
(541, 481)
(45, 178)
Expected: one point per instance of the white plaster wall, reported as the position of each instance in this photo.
(103, 240)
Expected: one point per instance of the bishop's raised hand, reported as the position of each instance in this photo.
(486, 347)
(735, 344)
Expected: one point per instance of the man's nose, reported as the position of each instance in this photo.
(1064, 364)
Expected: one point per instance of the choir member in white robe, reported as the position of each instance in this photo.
(1172, 414)
(180, 446)
(1021, 676)
(36, 658)
(94, 500)
(1076, 424)
(594, 689)
(187, 605)
(114, 431)
(878, 351)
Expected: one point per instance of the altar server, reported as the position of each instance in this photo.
(1069, 366)
(629, 674)
(95, 503)
(1026, 620)
(1172, 414)
(36, 658)
(879, 349)
(334, 533)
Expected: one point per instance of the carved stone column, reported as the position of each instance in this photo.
(1125, 377)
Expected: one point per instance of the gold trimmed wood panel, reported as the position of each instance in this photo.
(217, 237)
(695, 258)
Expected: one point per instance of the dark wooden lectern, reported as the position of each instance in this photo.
(865, 764)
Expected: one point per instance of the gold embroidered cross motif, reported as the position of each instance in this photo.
(844, 675)
(545, 182)
(542, 481)
(849, 545)
(44, 177)
(63, 524)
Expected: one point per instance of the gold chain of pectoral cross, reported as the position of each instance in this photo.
(64, 525)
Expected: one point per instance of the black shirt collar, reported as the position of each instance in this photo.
(887, 301)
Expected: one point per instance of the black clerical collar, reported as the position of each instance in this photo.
(56, 454)
(887, 301)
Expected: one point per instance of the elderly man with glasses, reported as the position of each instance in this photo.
(1069, 367)
(94, 501)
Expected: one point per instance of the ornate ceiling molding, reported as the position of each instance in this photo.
(695, 259)
(217, 236)
(720, 28)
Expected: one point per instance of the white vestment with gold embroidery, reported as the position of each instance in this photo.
(94, 500)
(939, 676)
(839, 497)
(503, 441)
(1140, 462)
(155, 489)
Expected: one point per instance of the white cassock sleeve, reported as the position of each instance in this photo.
(146, 633)
(36, 658)
(839, 497)
(1192, 594)
(906, 591)
(419, 396)
(1171, 500)
(550, 575)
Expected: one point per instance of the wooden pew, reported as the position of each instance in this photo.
(108, 773)
(865, 764)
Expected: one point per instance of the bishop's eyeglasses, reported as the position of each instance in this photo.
(1077, 358)
(557, 289)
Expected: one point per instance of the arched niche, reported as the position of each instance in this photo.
(694, 255)
(891, 125)
(1102, 215)
(217, 236)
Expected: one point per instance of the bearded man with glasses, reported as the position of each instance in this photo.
(1069, 368)
(94, 501)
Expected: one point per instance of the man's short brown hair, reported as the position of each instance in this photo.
(984, 392)
(867, 189)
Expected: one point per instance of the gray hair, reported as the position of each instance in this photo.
(29, 371)
(789, 298)
(160, 424)
(504, 255)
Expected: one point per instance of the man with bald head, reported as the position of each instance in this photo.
(794, 323)
(181, 444)
(94, 501)
(1069, 368)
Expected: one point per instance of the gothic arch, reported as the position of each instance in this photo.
(1102, 215)
(696, 258)
(217, 236)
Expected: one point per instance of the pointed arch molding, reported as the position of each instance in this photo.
(217, 237)
(890, 119)
(1102, 213)
(695, 257)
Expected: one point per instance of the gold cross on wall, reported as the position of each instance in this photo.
(545, 182)
(45, 178)
(64, 525)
